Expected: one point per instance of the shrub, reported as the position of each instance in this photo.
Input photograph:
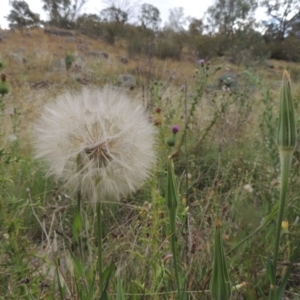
(69, 59)
(167, 49)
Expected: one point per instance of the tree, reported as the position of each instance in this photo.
(284, 17)
(195, 26)
(114, 14)
(295, 30)
(177, 20)
(21, 16)
(149, 16)
(118, 9)
(63, 13)
(229, 15)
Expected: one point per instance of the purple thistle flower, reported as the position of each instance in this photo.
(175, 129)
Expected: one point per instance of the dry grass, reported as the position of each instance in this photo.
(231, 156)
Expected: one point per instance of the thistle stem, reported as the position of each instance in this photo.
(99, 240)
(78, 230)
(172, 217)
(286, 161)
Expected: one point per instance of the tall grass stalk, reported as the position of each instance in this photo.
(286, 139)
(172, 200)
(99, 241)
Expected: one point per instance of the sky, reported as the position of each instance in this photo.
(191, 8)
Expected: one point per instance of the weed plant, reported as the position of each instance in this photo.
(226, 167)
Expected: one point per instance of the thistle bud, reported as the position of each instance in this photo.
(287, 133)
(220, 288)
(4, 88)
(171, 141)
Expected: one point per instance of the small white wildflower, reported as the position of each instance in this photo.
(97, 141)
(248, 188)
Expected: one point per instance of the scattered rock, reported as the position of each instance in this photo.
(124, 60)
(59, 65)
(83, 48)
(227, 80)
(127, 81)
(17, 57)
(94, 53)
(83, 80)
(97, 53)
(105, 55)
(41, 84)
(270, 66)
(58, 32)
(78, 64)
(69, 40)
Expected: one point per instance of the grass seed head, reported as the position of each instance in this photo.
(97, 141)
(287, 132)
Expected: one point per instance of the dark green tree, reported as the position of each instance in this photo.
(149, 16)
(196, 26)
(114, 14)
(21, 16)
(225, 16)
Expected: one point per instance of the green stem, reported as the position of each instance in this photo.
(286, 161)
(79, 231)
(172, 216)
(99, 240)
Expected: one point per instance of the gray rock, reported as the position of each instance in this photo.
(124, 60)
(59, 65)
(69, 40)
(17, 57)
(97, 53)
(83, 47)
(127, 81)
(58, 32)
(105, 55)
(228, 80)
(94, 53)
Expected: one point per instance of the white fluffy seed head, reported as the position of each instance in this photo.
(98, 141)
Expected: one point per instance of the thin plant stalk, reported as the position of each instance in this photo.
(78, 215)
(286, 162)
(172, 200)
(99, 241)
(172, 218)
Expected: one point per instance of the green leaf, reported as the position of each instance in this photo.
(172, 198)
(220, 287)
(270, 270)
(77, 224)
(106, 276)
(120, 292)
